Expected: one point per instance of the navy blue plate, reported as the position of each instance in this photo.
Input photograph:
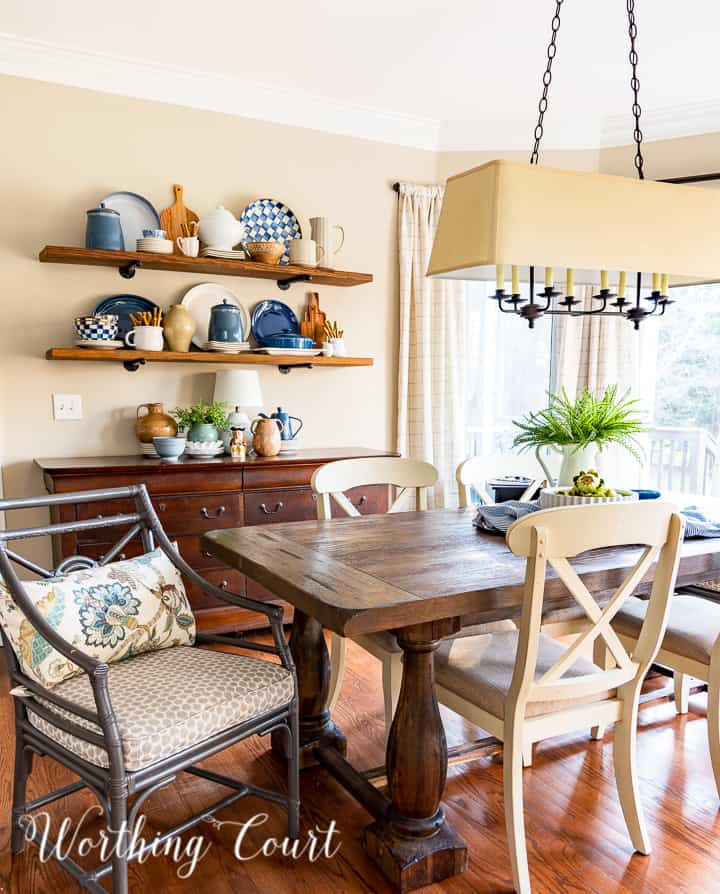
(273, 318)
(647, 494)
(123, 306)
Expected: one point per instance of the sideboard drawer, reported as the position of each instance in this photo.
(264, 507)
(229, 579)
(197, 514)
(189, 547)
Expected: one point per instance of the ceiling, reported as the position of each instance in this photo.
(438, 75)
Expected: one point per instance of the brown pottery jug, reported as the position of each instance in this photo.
(266, 440)
(154, 424)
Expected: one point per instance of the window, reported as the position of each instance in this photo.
(685, 441)
(508, 370)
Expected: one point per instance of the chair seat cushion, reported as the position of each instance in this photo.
(479, 669)
(169, 700)
(693, 625)
(388, 641)
(110, 612)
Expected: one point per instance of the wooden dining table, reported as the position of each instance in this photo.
(422, 575)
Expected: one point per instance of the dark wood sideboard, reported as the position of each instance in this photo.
(194, 496)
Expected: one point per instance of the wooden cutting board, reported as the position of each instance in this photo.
(311, 325)
(172, 218)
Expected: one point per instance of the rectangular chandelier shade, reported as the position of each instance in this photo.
(510, 213)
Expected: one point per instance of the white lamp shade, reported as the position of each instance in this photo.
(507, 213)
(238, 388)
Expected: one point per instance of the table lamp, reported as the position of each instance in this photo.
(239, 390)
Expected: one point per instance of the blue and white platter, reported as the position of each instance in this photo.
(123, 306)
(269, 220)
(271, 318)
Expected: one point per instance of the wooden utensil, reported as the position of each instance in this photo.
(173, 218)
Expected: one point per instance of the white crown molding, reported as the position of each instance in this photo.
(666, 123)
(177, 85)
(205, 90)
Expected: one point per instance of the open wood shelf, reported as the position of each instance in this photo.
(133, 359)
(128, 262)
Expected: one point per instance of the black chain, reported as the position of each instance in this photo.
(635, 85)
(547, 78)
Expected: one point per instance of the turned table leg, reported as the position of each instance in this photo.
(312, 665)
(413, 843)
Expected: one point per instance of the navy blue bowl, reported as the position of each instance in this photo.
(647, 494)
(287, 341)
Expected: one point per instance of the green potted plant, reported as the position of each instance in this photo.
(580, 427)
(202, 421)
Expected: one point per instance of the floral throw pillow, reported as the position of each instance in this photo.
(110, 612)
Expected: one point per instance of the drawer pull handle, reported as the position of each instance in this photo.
(220, 511)
(223, 584)
(362, 500)
(278, 506)
(162, 507)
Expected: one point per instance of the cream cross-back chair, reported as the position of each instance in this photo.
(525, 686)
(329, 483)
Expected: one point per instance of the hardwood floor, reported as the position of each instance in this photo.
(577, 840)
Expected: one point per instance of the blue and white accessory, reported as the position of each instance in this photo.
(268, 220)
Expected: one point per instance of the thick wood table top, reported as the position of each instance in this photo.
(382, 572)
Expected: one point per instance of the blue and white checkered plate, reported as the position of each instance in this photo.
(269, 220)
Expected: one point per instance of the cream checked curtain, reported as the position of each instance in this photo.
(431, 378)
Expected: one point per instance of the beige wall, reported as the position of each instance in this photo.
(64, 148)
(666, 158)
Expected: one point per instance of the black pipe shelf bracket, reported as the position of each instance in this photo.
(284, 284)
(134, 365)
(286, 368)
(127, 271)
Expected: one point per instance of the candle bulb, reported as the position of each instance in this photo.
(621, 284)
(515, 280)
(603, 280)
(570, 281)
(664, 284)
(499, 277)
(655, 282)
(548, 277)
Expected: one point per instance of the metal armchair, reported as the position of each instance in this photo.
(97, 725)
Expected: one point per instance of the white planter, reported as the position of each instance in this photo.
(550, 498)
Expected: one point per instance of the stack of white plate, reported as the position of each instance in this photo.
(157, 246)
(221, 253)
(147, 449)
(204, 448)
(228, 347)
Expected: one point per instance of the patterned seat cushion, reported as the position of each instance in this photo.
(110, 612)
(167, 701)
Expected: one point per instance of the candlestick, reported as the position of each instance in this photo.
(664, 284)
(515, 280)
(499, 277)
(548, 278)
(570, 281)
(603, 280)
(621, 284)
(656, 282)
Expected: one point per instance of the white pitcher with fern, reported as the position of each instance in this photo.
(579, 428)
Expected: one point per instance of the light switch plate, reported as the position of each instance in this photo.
(67, 406)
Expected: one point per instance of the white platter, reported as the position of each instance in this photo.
(136, 215)
(199, 300)
(294, 352)
(204, 448)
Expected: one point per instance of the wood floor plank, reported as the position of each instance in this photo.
(577, 840)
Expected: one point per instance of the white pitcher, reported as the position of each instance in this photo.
(321, 232)
(574, 461)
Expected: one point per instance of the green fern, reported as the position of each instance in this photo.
(583, 421)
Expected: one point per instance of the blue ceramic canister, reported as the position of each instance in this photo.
(103, 229)
(225, 323)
